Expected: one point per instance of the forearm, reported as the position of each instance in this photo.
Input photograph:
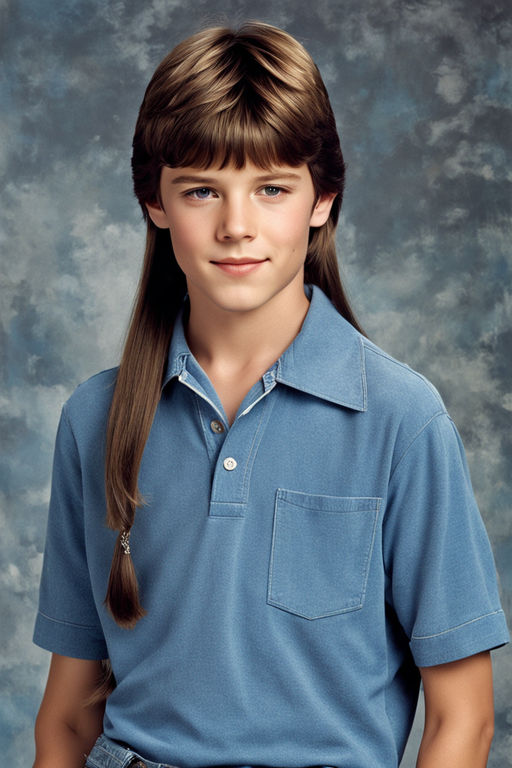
(459, 713)
(69, 720)
(456, 744)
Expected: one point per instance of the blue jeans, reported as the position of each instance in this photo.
(108, 754)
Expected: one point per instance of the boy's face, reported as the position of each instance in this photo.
(240, 236)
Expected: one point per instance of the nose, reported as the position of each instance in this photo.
(237, 220)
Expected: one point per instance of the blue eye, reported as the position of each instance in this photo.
(272, 191)
(203, 193)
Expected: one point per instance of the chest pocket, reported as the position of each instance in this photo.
(321, 552)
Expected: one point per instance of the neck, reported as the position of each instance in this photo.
(239, 340)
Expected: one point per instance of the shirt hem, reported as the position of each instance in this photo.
(483, 633)
(68, 639)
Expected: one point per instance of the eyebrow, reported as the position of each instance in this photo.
(206, 180)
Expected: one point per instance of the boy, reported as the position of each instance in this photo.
(294, 536)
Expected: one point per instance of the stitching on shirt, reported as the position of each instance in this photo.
(458, 626)
(79, 458)
(209, 448)
(101, 374)
(369, 551)
(292, 606)
(264, 394)
(257, 436)
(419, 376)
(179, 364)
(67, 623)
(418, 433)
(326, 395)
(373, 508)
(68, 422)
(183, 378)
(252, 453)
(323, 395)
(363, 373)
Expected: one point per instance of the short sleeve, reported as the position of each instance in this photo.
(67, 622)
(442, 577)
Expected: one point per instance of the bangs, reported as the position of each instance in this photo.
(247, 131)
(223, 98)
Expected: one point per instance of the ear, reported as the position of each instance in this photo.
(157, 215)
(322, 209)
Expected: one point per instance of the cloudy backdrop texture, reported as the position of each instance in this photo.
(422, 93)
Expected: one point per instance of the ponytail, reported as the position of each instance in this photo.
(136, 395)
(123, 592)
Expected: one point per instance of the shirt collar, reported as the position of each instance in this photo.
(179, 350)
(326, 359)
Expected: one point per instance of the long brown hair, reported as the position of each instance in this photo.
(220, 97)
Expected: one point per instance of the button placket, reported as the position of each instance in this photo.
(213, 429)
(231, 480)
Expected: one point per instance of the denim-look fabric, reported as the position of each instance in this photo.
(296, 567)
(108, 754)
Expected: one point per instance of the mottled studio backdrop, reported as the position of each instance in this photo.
(422, 93)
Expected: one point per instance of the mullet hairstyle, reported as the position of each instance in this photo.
(221, 97)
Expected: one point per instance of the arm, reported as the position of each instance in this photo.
(66, 726)
(459, 714)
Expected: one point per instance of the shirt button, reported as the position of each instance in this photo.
(229, 463)
(217, 426)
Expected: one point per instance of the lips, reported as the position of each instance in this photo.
(238, 262)
(237, 267)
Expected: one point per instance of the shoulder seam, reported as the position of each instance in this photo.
(97, 375)
(418, 433)
(65, 414)
(426, 383)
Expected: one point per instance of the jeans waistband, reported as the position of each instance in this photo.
(108, 754)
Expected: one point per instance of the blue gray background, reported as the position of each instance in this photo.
(423, 96)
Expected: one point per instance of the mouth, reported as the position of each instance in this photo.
(242, 260)
(240, 266)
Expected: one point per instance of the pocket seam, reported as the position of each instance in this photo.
(284, 495)
(289, 497)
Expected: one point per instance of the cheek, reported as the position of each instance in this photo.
(296, 228)
(184, 238)
(286, 224)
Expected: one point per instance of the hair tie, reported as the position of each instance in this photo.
(125, 542)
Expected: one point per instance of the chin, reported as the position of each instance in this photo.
(240, 301)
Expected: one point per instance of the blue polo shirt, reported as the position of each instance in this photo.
(296, 567)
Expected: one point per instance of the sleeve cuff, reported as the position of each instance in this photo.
(67, 639)
(481, 634)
